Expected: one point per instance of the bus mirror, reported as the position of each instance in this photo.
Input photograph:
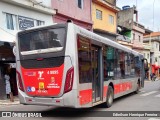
(14, 50)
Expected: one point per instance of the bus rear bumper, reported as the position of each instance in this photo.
(49, 101)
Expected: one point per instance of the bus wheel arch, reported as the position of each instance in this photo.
(110, 95)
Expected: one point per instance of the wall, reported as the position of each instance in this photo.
(44, 2)
(125, 18)
(146, 53)
(106, 35)
(136, 42)
(104, 23)
(17, 10)
(71, 9)
(113, 2)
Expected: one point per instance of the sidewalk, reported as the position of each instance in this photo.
(8, 102)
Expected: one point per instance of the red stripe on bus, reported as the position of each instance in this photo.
(85, 96)
(118, 88)
(105, 88)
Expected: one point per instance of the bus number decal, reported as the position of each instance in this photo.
(53, 72)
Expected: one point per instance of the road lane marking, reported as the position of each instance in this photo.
(149, 93)
(153, 119)
(157, 95)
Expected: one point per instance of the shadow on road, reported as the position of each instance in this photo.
(83, 112)
(70, 112)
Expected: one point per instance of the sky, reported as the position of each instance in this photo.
(148, 12)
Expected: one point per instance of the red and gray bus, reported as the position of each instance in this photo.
(66, 65)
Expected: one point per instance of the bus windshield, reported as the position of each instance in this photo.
(42, 41)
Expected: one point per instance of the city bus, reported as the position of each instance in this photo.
(68, 66)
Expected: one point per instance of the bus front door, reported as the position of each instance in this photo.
(96, 85)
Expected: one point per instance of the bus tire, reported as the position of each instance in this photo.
(138, 88)
(110, 97)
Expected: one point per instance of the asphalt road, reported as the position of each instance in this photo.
(147, 100)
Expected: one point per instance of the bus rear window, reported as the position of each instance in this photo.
(42, 41)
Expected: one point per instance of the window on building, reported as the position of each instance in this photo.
(11, 21)
(133, 36)
(144, 55)
(80, 4)
(99, 14)
(156, 45)
(111, 19)
(139, 37)
(40, 22)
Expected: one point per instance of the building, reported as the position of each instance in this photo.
(124, 40)
(128, 22)
(77, 11)
(146, 53)
(153, 39)
(104, 16)
(18, 15)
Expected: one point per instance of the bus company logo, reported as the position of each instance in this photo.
(40, 73)
(30, 73)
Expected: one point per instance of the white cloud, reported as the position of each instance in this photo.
(145, 12)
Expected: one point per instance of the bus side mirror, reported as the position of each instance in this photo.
(14, 50)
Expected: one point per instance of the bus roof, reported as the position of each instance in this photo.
(92, 36)
(108, 41)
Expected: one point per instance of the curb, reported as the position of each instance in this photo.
(14, 103)
(4, 102)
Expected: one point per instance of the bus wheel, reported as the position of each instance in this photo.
(138, 87)
(110, 96)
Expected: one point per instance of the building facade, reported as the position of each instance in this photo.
(104, 16)
(128, 23)
(124, 40)
(78, 11)
(153, 40)
(146, 53)
(18, 15)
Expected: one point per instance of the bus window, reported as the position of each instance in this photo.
(51, 40)
(137, 66)
(84, 59)
(132, 74)
(120, 64)
(108, 56)
(127, 66)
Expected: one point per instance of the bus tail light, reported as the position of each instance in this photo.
(20, 84)
(69, 80)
